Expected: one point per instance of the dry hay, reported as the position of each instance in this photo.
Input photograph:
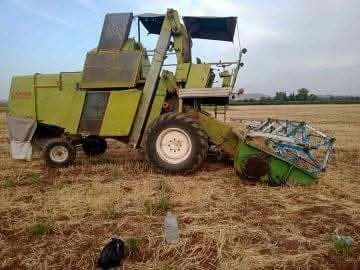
(224, 223)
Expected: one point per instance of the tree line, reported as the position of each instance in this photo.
(300, 96)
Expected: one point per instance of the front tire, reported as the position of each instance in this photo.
(176, 143)
(94, 145)
(59, 153)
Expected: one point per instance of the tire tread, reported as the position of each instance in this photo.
(51, 142)
(201, 155)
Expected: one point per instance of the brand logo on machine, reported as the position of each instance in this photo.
(21, 95)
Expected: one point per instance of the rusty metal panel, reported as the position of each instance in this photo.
(93, 112)
(111, 69)
(115, 30)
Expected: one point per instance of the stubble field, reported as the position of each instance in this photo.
(59, 219)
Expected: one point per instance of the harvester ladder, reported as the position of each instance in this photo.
(220, 112)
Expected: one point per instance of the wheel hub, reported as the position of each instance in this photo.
(173, 145)
(59, 153)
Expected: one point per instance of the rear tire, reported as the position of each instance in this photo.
(176, 143)
(94, 145)
(59, 153)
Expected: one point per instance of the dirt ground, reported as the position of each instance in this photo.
(60, 219)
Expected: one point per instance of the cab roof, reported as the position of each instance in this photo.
(213, 28)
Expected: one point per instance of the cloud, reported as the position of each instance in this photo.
(26, 6)
(88, 5)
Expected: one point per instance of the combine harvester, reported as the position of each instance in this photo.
(121, 94)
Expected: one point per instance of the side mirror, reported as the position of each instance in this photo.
(244, 51)
(241, 64)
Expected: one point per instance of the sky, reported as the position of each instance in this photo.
(291, 44)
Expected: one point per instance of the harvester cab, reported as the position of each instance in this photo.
(125, 92)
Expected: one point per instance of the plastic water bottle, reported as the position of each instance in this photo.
(344, 240)
(171, 228)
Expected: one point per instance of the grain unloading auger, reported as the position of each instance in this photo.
(125, 93)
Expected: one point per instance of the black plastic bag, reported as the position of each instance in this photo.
(112, 254)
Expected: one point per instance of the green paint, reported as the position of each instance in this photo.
(219, 133)
(281, 171)
(152, 79)
(22, 97)
(166, 84)
(181, 37)
(223, 136)
(113, 57)
(198, 76)
(226, 76)
(157, 102)
(120, 112)
(73, 111)
(130, 45)
(182, 72)
(51, 99)
(182, 45)
(58, 101)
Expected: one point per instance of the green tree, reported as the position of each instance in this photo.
(280, 96)
(313, 97)
(302, 94)
(292, 97)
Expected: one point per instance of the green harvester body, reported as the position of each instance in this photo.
(120, 92)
